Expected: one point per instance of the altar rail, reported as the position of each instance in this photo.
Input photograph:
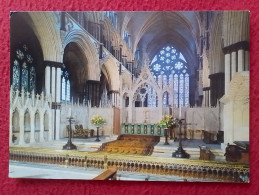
(220, 171)
(142, 129)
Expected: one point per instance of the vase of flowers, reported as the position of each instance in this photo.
(167, 121)
(98, 121)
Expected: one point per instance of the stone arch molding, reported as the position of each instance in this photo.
(45, 28)
(110, 66)
(82, 39)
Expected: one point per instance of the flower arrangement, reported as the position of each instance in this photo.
(97, 120)
(168, 121)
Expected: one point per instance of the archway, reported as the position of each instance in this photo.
(27, 69)
(88, 50)
(37, 126)
(15, 127)
(74, 75)
(46, 126)
(104, 89)
(27, 127)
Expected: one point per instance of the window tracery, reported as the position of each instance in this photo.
(171, 65)
(65, 86)
(23, 70)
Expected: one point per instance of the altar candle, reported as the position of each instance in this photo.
(180, 113)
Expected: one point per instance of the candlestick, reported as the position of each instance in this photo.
(69, 112)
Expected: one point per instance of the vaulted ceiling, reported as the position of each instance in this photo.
(150, 31)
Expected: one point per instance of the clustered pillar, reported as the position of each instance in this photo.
(206, 97)
(53, 89)
(236, 60)
(114, 96)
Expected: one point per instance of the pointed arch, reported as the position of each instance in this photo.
(27, 120)
(110, 68)
(89, 49)
(46, 29)
(15, 121)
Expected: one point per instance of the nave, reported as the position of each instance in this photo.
(81, 77)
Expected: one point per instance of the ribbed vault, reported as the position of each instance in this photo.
(151, 31)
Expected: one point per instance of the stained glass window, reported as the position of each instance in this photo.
(16, 75)
(176, 90)
(23, 70)
(65, 86)
(151, 95)
(25, 76)
(166, 99)
(172, 66)
(186, 85)
(32, 78)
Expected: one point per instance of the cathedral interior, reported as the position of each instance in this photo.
(130, 69)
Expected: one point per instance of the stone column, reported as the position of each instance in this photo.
(32, 120)
(227, 71)
(246, 60)
(58, 98)
(47, 80)
(53, 72)
(233, 63)
(53, 83)
(240, 60)
(58, 85)
(21, 123)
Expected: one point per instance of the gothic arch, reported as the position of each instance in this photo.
(45, 27)
(115, 39)
(27, 120)
(15, 121)
(111, 68)
(148, 82)
(106, 74)
(89, 49)
(107, 29)
(170, 96)
(46, 120)
(37, 120)
(143, 83)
